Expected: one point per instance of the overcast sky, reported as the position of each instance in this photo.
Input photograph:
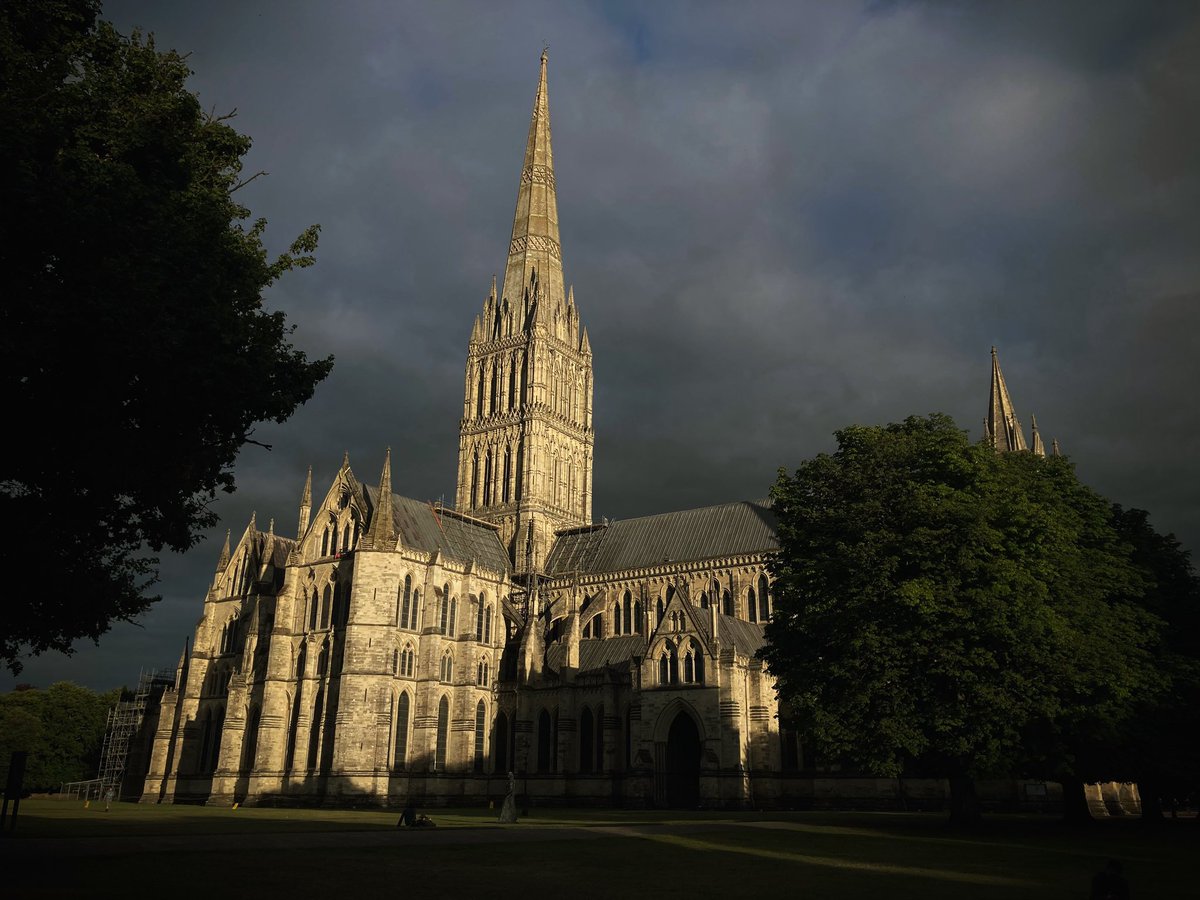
(779, 218)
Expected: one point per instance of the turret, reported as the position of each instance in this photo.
(305, 506)
(1039, 449)
(381, 535)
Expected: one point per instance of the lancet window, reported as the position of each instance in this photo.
(693, 665)
(480, 726)
(400, 755)
(668, 664)
(443, 734)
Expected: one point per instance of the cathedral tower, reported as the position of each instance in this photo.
(525, 440)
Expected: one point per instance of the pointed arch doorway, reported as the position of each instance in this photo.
(683, 763)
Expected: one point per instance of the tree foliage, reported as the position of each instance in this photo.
(135, 353)
(62, 729)
(937, 604)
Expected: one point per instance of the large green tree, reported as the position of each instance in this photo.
(1154, 746)
(935, 602)
(136, 355)
(61, 728)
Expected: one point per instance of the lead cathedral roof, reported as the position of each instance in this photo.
(423, 527)
(728, 529)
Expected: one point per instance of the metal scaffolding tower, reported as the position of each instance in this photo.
(124, 721)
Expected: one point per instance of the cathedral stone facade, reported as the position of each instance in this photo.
(400, 651)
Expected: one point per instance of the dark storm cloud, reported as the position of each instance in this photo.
(779, 218)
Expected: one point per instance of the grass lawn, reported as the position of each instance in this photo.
(60, 849)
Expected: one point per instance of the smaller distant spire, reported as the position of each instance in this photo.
(1054, 448)
(306, 496)
(585, 346)
(271, 527)
(345, 460)
(493, 293)
(1039, 449)
(253, 526)
(225, 556)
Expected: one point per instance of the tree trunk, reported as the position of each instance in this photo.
(1075, 805)
(964, 804)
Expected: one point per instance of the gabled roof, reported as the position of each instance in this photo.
(730, 529)
(280, 550)
(746, 637)
(423, 528)
(598, 654)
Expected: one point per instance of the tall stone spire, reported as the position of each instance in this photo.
(1003, 428)
(534, 244)
(382, 533)
(525, 439)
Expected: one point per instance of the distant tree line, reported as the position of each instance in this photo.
(61, 728)
(945, 610)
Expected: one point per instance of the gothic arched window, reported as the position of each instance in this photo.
(408, 661)
(326, 598)
(400, 755)
(726, 603)
(637, 617)
(628, 621)
(487, 625)
(480, 725)
(616, 629)
(479, 618)
(443, 734)
(764, 602)
(474, 480)
(447, 671)
(751, 605)
(487, 478)
(660, 611)
(668, 664)
(482, 391)
(453, 617)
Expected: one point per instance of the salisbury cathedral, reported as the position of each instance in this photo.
(400, 651)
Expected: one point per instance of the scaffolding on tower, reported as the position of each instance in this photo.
(124, 722)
